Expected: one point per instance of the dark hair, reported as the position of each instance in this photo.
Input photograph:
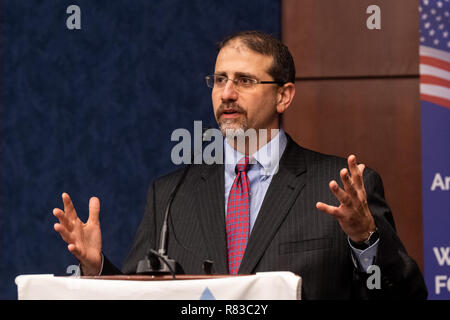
(283, 67)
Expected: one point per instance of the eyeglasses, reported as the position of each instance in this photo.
(245, 83)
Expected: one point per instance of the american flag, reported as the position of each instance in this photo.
(435, 51)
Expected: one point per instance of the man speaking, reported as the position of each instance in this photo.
(259, 210)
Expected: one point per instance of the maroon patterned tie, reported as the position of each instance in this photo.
(238, 212)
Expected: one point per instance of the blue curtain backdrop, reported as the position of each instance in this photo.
(91, 111)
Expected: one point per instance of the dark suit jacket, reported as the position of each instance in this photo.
(290, 234)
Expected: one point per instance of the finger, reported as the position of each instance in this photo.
(94, 210)
(69, 209)
(340, 194)
(63, 232)
(360, 180)
(331, 210)
(361, 168)
(348, 183)
(64, 219)
(355, 172)
(74, 250)
(352, 165)
(58, 213)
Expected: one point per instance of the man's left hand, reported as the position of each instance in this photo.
(353, 214)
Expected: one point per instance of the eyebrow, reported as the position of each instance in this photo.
(238, 74)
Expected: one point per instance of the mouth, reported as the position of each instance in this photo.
(230, 113)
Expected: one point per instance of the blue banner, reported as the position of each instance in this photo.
(435, 123)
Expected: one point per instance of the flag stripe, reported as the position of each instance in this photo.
(434, 53)
(428, 70)
(436, 100)
(435, 90)
(438, 63)
(427, 79)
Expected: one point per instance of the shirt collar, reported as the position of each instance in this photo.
(267, 157)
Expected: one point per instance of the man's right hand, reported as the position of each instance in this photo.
(84, 239)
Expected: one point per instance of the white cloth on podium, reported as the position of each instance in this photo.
(261, 286)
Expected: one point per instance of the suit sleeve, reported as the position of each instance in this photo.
(109, 268)
(400, 276)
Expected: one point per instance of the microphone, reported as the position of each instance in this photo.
(158, 262)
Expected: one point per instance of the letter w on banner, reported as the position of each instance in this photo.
(435, 125)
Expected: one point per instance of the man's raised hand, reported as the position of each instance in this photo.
(353, 213)
(84, 239)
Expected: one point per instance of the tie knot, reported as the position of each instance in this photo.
(243, 165)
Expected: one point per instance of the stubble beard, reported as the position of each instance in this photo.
(233, 126)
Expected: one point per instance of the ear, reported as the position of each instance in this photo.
(285, 96)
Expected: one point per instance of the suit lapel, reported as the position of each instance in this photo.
(283, 190)
(211, 214)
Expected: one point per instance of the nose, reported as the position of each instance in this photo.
(229, 92)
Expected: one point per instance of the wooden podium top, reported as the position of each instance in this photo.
(161, 277)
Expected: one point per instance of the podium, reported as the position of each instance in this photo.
(260, 286)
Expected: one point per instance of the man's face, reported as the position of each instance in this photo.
(236, 108)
